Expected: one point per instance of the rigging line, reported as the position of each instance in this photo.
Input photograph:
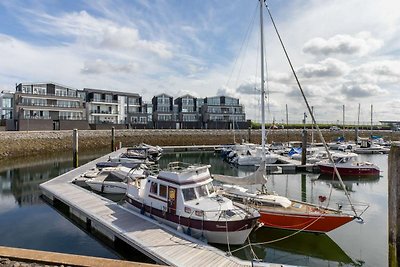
(241, 46)
(309, 110)
(245, 50)
(281, 238)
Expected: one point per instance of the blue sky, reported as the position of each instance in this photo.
(345, 52)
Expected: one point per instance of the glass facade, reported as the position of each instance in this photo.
(215, 101)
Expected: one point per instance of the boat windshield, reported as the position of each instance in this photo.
(189, 194)
(201, 191)
(210, 188)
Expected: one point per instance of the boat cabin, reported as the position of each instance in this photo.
(181, 189)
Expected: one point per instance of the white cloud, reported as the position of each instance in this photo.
(98, 33)
(99, 66)
(329, 67)
(362, 90)
(360, 44)
(385, 72)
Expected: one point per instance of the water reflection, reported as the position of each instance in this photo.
(37, 226)
(269, 244)
(22, 180)
(349, 181)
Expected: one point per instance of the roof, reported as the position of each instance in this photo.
(58, 84)
(105, 91)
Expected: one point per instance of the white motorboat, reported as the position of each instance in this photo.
(183, 197)
(111, 179)
(368, 147)
(133, 155)
(254, 157)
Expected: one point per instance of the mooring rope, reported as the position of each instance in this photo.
(278, 239)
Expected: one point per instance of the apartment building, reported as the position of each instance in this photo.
(48, 106)
(188, 114)
(106, 109)
(164, 113)
(6, 105)
(223, 112)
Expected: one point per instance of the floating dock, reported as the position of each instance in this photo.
(194, 148)
(159, 242)
(289, 165)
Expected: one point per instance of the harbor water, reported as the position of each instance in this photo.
(26, 221)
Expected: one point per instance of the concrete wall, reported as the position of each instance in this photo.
(165, 125)
(107, 126)
(74, 124)
(191, 125)
(35, 125)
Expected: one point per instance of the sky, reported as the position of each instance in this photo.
(345, 52)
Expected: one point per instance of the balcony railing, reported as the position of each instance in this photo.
(103, 101)
(103, 112)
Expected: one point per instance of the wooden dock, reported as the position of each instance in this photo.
(159, 242)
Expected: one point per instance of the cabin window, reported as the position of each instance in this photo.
(163, 191)
(210, 188)
(201, 191)
(154, 188)
(188, 194)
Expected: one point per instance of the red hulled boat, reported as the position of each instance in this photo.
(347, 165)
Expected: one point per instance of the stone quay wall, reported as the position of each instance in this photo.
(22, 144)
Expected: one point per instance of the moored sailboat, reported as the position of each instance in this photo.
(277, 211)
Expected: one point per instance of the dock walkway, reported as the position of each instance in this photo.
(159, 242)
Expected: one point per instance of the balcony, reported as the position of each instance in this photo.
(103, 112)
(103, 101)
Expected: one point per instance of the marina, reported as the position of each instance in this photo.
(348, 244)
(160, 243)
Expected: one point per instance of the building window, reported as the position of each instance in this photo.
(229, 101)
(163, 100)
(164, 117)
(214, 101)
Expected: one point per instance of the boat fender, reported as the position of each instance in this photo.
(359, 219)
(179, 229)
(102, 188)
(189, 231)
(142, 210)
(203, 239)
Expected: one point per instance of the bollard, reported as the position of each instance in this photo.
(303, 147)
(393, 202)
(75, 162)
(112, 139)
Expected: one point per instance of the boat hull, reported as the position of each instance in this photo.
(213, 231)
(349, 171)
(107, 187)
(318, 222)
(252, 161)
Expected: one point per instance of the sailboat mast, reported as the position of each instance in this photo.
(262, 83)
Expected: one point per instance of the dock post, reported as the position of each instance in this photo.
(394, 205)
(75, 148)
(356, 135)
(303, 147)
(304, 187)
(112, 139)
(249, 133)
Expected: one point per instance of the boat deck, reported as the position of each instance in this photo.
(161, 243)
